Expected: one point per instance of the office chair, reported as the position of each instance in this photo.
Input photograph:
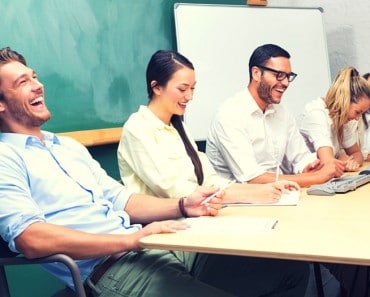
(7, 257)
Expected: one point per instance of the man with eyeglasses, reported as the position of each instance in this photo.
(254, 139)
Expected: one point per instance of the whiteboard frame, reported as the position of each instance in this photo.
(219, 39)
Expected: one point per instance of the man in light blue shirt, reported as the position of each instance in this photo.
(54, 198)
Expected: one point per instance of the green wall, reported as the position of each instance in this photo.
(106, 155)
(91, 55)
(31, 281)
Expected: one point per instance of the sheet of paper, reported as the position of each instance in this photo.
(233, 224)
(287, 198)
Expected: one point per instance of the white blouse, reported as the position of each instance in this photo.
(316, 126)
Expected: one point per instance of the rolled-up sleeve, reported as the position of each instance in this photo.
(316, 128)
(17, 208)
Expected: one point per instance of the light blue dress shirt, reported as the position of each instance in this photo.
(57, 181)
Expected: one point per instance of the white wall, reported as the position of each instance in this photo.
(347, 26)
(233, 30)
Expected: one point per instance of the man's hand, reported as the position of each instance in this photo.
(168, 226)
(314, 166)
(334, 168)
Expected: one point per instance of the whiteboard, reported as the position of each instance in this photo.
(219, 39)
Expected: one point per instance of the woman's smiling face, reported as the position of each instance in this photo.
(176, 94)
(357, 109)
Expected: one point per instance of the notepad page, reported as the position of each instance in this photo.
(234, 224)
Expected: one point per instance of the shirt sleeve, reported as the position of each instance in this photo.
(18, 210)
(316, 128)
(230, 150)
(365, 146)
(297, 155)
(350, 134)
(211, 177)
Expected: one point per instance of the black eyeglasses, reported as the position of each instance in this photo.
(280, 75)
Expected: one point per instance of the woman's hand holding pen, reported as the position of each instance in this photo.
(194, 206)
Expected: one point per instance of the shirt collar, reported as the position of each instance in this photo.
(24, 140)
(254, 108)
(153, 119)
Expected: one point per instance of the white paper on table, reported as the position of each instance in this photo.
(287, 198)
(232, 224)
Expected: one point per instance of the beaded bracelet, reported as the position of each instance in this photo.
(182, 208)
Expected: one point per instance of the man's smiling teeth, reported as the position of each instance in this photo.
(280, 90)
(37, 100)
(183, 104)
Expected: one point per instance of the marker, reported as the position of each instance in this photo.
(217, 193)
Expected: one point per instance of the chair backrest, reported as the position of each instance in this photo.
(5, 252)
(7, 257)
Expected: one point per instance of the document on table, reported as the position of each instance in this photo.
(229, 225)
(287, 198)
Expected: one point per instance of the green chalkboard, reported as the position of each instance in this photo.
(91, 55)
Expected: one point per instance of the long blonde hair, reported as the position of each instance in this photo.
(347, 88)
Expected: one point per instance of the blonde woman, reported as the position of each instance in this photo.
(363, 130)
(325, 123)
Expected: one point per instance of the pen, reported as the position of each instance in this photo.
(277, 172)
(216, 193)
(274, 225)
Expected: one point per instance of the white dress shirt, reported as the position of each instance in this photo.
(363, 135)
(316, 126)
(243, 142)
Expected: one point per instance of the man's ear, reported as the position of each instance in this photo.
(2, 106)
(256, 73)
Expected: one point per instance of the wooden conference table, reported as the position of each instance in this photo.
(320, 228)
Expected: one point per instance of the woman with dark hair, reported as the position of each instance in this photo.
(156, 153)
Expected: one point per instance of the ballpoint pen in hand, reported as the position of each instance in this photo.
(217, 193)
